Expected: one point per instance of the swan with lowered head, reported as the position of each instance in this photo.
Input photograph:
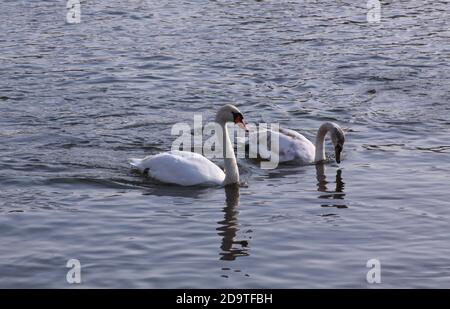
(295, 148)
(189, 168)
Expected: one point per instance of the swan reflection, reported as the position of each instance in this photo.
(323, 186)
(230, 247)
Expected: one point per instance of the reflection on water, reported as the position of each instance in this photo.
(322, 186)
(286, 170)
(231, 248)
(177, 191)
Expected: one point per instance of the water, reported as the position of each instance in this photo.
(77, 100)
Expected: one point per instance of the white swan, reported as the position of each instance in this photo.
(295, 148)
(189, 168)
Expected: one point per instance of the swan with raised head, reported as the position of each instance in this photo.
(189, 168)
(297, 149)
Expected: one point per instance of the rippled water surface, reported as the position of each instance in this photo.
(77, 100)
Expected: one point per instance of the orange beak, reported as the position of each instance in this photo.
(242, 125)
(238, 119)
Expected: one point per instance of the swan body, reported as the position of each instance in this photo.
(297, 149)
(189, 168)
(180, 167)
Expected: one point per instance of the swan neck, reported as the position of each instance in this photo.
(230, 163)
(320, 141)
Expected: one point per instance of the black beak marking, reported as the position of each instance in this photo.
(337, 153)
(237, 117)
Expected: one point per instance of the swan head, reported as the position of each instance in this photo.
(230, 113)
(338, 140)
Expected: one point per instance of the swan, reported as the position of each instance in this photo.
(295, 148)
(189, 168)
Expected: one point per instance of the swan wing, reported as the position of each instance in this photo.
(293, 147)
(294, 134)
(180, 167)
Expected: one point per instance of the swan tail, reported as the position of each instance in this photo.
(135, 162)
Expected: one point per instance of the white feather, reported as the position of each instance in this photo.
(181, 167)
(293, 147)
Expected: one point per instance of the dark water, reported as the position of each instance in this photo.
(77, 100)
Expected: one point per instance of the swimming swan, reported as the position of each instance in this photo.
(189, 168)
(295, 148)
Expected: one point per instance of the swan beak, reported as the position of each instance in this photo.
(337, 153)
(242, 125)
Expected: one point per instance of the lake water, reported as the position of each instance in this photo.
(77, 100)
